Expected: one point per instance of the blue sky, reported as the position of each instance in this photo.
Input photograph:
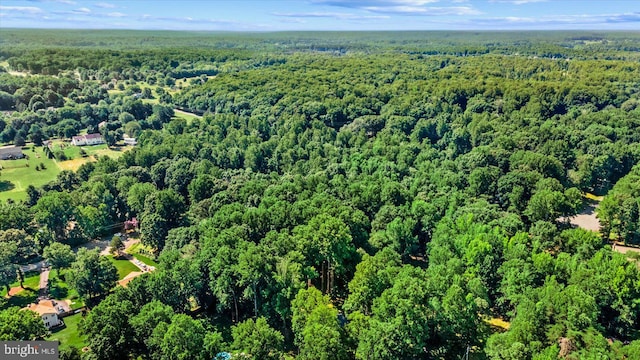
(251, 15)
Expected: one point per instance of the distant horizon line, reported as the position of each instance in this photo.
(326, 31)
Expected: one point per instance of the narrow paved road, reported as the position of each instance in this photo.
(44, 283)
(625, 249)
(102, 245)
(587, 219)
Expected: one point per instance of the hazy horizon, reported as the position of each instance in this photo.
(323, 15)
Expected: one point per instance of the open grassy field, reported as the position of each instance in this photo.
(16, 175)
(124, 266)
(146, 260)
(142, 253)
(60, 290)
(25, 296)
(186, 115)
(69, 335)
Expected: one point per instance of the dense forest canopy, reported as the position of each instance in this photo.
(344, 195)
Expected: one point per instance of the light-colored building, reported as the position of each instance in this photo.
(129, 140)
(49, 311)
(11, 153)
(89, 139)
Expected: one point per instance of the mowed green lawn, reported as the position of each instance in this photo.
(17, 175)
(189, 117)
(60, 290)
(124, 266)
(26, 296)
(141, 253)
(69, 335)
(146, 260)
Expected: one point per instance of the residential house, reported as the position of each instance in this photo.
(129, 140)
(49, 311)
(11, 153)
(89, 139)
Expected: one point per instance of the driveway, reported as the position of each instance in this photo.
(44, 284)
(101, 245)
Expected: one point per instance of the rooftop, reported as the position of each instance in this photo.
(10, 150)
(46, 307)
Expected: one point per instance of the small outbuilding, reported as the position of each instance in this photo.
(129, 141)
(11, 153)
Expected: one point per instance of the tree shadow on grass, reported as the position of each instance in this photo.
(6, 185)
(58, 292)
(23, 298)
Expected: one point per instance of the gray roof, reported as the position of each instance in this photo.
(13, 150)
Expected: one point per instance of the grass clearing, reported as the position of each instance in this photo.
(189, 117)
(498, 324)
(73, 165)
(76, 159)
(60, 290)
(26, 296)
(123, 266)
(146, 260)
(69, 335)
(31, 281)
(142, 253)
(591, 196)
(113, 152)
(17, 175)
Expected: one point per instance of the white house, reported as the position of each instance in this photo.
(129, 140)
(48, 310)
(89, 139)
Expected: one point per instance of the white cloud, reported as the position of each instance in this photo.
(68, 2)
(104, 5)
(519, 2)
(577, 21)
(403, 7)
(116, 14)
(22, 9)
(82, 10)
(360, 4)
(425, 11)
(334, 15)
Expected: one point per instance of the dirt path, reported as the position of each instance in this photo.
(129, 277)
(44, 283)
(587, 219)
(625, 249)
(101, 245)
(13, 291)
(127, 244)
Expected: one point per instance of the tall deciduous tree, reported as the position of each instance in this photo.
(107, 328)
(327, 242)
(8, 268)
(92, 274)
(60, 256)
(315, 325)
(257, 339)
(17, 324)
(54, 210)
(184, 338)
